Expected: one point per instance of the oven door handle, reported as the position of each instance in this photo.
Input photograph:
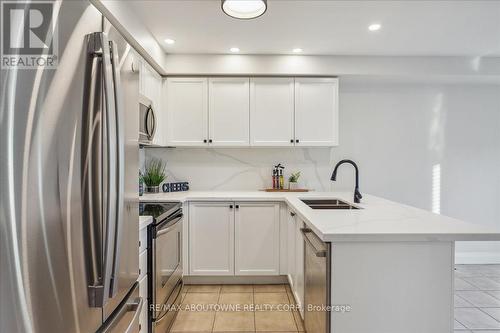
(163, 231)
(181, 283)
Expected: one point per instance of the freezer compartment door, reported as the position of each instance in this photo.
(125, 319)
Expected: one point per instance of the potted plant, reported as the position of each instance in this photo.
(292, 180)
(154, 175)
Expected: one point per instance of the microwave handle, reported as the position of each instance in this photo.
(151, 131)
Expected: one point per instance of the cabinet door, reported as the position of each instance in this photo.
(150, 85)
(229, 111)
(299, 264)
(187, 111)
(291, 231)
(257, 238)
(271, 111)
(211, 238)
(142, 77)
(156, 87)
(316, 111)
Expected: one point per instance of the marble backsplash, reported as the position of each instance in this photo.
(245, 168)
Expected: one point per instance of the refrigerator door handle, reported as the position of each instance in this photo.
(99, 286)
(120, 162)
(92, 173)
(111, 167)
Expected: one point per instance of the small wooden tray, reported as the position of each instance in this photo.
(285, 190)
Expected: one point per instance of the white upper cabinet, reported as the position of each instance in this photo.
(257, 228)
(187, 111)
(316, 111)
(150, 85)
(211, 238)
(241, 111)
(272, 111)
(228, 111)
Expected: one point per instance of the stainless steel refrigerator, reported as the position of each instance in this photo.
(69, 184)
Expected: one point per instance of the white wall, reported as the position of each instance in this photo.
(245, 169)
(433, 146)
(484, 69)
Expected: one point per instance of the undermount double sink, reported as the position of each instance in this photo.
(328, 204)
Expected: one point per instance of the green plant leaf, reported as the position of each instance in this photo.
(154, 173)
(294, 177)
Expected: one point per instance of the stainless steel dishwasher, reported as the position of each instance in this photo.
(317, 283)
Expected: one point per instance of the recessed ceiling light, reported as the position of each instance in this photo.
(169, 41)
(297, 50)
(234, 50)
(374, 26)
(244, 9)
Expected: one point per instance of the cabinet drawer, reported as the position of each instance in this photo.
(143, 292)
(143, 264)
(143, 239)
(143, 320)
(143, 287)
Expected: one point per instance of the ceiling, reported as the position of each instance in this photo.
(324, 27)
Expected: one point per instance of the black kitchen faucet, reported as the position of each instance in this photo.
(357, 194)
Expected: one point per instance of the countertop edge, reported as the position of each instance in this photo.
(292, 200)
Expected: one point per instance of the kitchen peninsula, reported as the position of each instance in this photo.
(387, 259)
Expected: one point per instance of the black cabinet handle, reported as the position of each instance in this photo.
(291, 140)
(210, 141)
(205, 141)
(292, 214)
(237, 206)
(230, 206)
(297, 141)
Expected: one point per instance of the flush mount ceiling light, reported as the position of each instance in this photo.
(234, 50)
(244, 9)
(297, 50)
(169, 41)
(374, 27)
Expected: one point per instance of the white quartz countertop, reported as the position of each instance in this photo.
(144, 221)
(378, 220)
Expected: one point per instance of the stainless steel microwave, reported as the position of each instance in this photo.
(147, 120)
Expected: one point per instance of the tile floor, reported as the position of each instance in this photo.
(238, 308)
(477, 298)
(477, 305)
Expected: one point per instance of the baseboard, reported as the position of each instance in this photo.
(278, 279)
(477, 258)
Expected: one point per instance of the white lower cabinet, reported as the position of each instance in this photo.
(143, 282)
(211, 238)
(234, 238)
(291, 247)
(295, 244)
(257, 238)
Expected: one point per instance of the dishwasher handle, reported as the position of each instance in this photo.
(319, 248)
